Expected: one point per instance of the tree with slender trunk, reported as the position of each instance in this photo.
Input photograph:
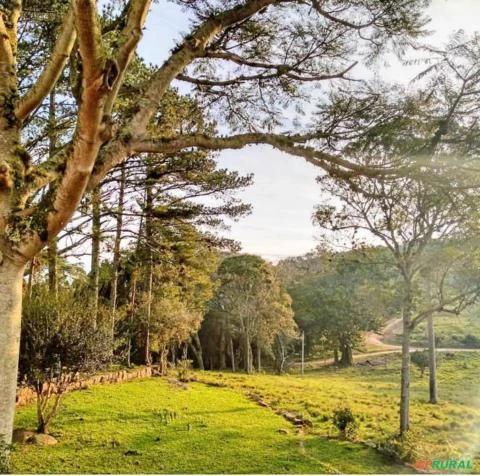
(432, 361)
(95, 255)
(413, 219)
(117, 250)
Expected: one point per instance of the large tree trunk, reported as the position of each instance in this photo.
(11, 279)
(346, 359)
(432, 362)
(405, 372)
(247, 353)
(148, 240)
(131, 313)
(196, 347)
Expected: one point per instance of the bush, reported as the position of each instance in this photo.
(402, 448)
(420, 359)
(345, 422)
(59, 340)
(184, 370)
(471, 341)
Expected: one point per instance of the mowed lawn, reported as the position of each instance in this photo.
(153, 426)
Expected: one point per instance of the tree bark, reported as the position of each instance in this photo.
(11, 280)
(116, 251)
(196, 346)
(405, 371)
(346, 359)
(222, 347)
(148, 240)
(432, 362)
(247, 352)
(131, 313)
(96, 238)
(259, 357)
(232, 354)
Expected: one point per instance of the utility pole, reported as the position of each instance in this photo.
(303, 352)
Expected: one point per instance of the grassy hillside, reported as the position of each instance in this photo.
(451, 331)
(155, 426)
(152, 426)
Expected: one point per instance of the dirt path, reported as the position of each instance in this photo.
(377, 339)
(387, 332)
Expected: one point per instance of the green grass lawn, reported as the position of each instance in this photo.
(153, 426)
(449, 429)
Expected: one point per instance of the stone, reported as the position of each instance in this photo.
(42, 439)
(290, 416)
(283, 431)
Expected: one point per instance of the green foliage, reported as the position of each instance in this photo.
(5, 465)
(251, 306)
(59, 340)
(420, 359)
(58, 333)
(184, 370)
(345, 422)
(401, 448)
(338, 296)
(471, 341)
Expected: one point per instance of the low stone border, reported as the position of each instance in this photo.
(26, 395)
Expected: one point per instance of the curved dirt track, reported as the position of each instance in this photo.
(377, 339)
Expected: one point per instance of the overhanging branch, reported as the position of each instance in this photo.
(52, 71)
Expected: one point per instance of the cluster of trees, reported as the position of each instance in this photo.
(337, 297)
(250, 310)
(97, 146)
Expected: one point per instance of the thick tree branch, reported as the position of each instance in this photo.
(80, 156)
(89, 39)
(192, 47)
(6, 50)
(286, 143)
(52, 71)
(131, 35)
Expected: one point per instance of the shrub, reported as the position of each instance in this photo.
(184, 370)
(345, 422)
(402, 448)
(59, 340)
(420, 359)
(471, 341)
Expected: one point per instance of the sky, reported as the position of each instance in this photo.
(284, 192)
